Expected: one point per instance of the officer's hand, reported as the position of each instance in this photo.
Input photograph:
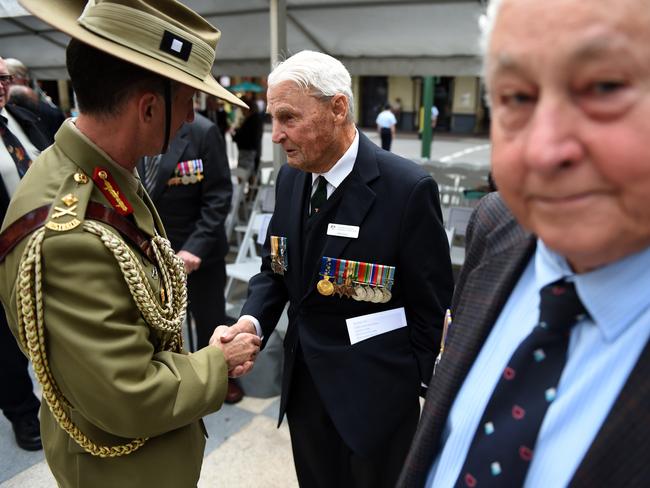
(191, 261)
(240, 352)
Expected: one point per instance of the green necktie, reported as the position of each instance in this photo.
(319, 197)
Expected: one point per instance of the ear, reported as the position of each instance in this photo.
(148, 104)
(340, 107)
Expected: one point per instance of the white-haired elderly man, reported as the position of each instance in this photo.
(544, 377)
(92, 289)
(357, 247)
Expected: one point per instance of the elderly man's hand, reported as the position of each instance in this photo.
(242, 325)
(240, 351)
(190, 261)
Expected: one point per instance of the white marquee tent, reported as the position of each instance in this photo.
(372, 37)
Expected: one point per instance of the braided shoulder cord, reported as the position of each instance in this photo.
(167, 318)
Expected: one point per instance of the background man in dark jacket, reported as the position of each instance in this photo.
(17, 399)
(191, 188)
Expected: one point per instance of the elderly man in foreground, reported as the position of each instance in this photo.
(543, 380)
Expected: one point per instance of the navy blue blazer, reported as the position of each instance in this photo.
(369, 387)
(194, 214)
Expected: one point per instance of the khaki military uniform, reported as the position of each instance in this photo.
(107, 361)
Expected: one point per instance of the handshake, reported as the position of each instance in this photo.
(239, 344)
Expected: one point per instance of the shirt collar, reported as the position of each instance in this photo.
(343, 166)
(5, 115)
(614, 295)
(128, 178)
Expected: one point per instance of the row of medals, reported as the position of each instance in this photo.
(356, 291)
(186, 179)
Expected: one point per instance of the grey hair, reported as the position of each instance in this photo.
(486, 24)
(319, 73)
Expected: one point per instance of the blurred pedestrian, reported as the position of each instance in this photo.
(247, 137)
(215, 111)
(386, 122)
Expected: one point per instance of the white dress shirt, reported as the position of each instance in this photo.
(8, 170)
(334, 177)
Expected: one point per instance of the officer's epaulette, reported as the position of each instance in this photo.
(68, 209)
(71, 206)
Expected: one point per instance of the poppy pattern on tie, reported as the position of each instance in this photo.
(503, 445)
(14, 148)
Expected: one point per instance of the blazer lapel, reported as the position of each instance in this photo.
(619, 454)
(301, 186)
(356, 200)
(169, 161)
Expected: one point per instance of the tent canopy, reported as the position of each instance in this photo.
(371, 37)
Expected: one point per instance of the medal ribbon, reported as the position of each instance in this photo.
(325, 267)
(337, 273)
(274, 246)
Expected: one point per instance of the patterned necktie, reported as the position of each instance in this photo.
(502, 448)
(15, 148)
(151, 166)
(319, 197)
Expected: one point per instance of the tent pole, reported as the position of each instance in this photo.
(278, 16)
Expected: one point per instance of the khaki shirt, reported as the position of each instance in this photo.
(103, 355)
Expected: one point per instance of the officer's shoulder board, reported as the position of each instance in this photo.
(71, 206)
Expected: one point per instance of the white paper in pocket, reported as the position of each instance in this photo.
(371, 325)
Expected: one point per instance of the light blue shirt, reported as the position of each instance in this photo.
(602, 352)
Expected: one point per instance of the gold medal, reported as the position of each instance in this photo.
(193, 179)
(185, 180)
(325, 286)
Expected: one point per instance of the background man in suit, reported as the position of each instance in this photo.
(17, 399)
(191, 188)
(123, 399)
(563, 399)
(352, 406)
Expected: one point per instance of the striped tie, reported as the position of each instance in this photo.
(151, 167)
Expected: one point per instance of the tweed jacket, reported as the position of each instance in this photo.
(498, 249)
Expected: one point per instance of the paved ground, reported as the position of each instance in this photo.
(245, 449)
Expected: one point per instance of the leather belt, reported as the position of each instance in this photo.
(31, 221)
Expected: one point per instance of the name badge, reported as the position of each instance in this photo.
(340, 230)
